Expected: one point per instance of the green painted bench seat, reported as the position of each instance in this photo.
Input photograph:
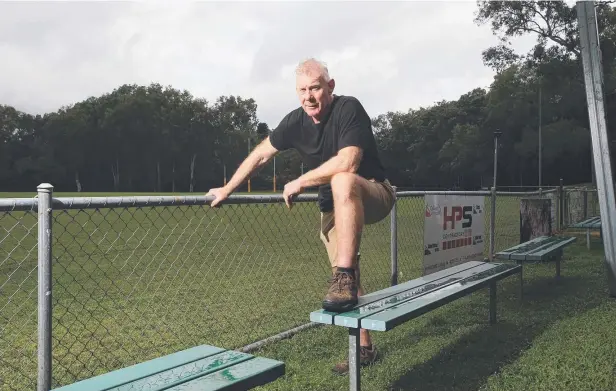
(385, 309)
(199, 368)
(589, 224)
(540, 249)
(593, 223)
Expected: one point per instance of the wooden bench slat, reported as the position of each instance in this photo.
(139, 371)
(505, 254)
(248, 374)
(352, 318)
(521, 252)
(539, 254)
(536, 243)
(393, 316)
(169, 378)
(327, 317)
(593, 222)
(379, 295)
(547, 247)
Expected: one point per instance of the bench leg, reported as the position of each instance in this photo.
(354, 367)
(559, 257)
(521, 279)
(493, 302)
(588, 239)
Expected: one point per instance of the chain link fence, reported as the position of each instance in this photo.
(18, 299)
(134, 278)
(580, 203)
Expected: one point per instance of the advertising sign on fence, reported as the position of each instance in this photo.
(453, 231)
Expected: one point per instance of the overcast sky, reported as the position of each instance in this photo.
(391, 55)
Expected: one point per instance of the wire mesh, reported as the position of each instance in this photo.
(592, 206)
(507, 221)
(131, 283)
(573, 206)
(410, 219)
(411, 230)
(580, 204)
(18, 300)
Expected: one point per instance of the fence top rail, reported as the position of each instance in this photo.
(578, 188)
(415, 193)
(26, 204)
(31, 204)
(525, 193)
(18, 204)
(402, 194)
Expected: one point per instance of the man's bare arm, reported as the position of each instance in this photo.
(255, 160)
(259, 157)
(347, 160)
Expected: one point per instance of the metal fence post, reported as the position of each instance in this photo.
(45, 191)
(492, 221)
(560, 202)
(585, 203)
(394, 240)
(493, 196)
(562, 206)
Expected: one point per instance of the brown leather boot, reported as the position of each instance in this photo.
(366, 357)
(342, 294)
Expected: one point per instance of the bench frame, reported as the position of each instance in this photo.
(540, 249)
(588, 225)
(413, 292)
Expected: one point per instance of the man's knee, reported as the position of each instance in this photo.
(344, 185)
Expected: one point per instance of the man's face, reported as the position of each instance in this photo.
(314, 94)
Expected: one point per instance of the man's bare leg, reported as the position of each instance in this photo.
(348, 215)
(349, 192)
(349, 221)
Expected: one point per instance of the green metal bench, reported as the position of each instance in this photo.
(588, 225)
(540, 249)
(385, 309)
(199, 368)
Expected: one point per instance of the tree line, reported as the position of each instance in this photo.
(157, 138)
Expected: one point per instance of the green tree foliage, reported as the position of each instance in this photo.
(451, 143)
(136, 138)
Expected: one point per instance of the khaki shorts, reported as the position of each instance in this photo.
(377, 205)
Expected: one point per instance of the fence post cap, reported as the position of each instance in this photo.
(45, 187)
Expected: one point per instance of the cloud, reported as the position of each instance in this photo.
(391, 55)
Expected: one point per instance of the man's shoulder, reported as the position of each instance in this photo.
(345, 99)
(292, 119)
(295, 115)
(349, 102)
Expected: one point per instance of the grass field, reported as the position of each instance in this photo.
(133, 283)
(561, 337)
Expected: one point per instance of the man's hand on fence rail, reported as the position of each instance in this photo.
(292, 189)
(220, 194)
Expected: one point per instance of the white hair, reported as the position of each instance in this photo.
(310, 65)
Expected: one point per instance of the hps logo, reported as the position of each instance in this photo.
(458, 213)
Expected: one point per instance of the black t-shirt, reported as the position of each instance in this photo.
(346, 124)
